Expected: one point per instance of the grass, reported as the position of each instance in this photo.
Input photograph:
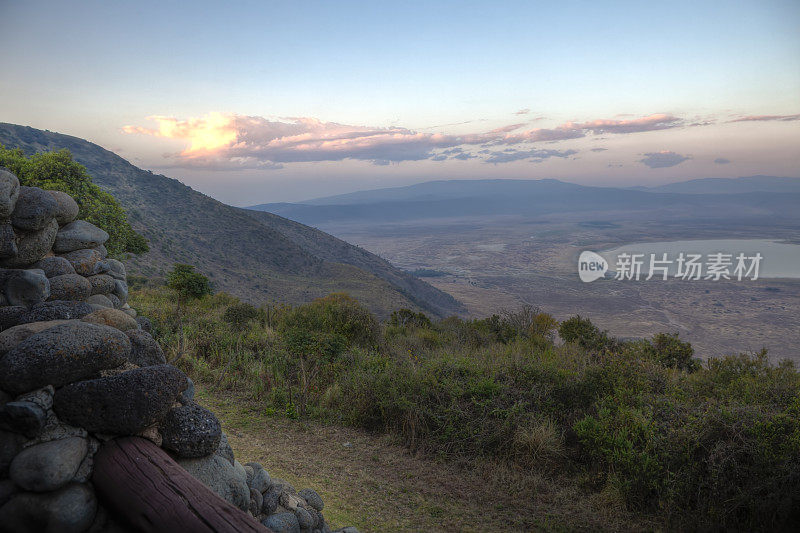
(595, 432)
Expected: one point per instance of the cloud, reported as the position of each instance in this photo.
(537, 156)
(663, 159)
(228, 141)
(722, 161)
(765, 118)
(599, 149)
(523, 111)
(655, 122)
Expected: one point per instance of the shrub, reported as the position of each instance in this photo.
(188, 283)
(336, 314)
(57, 170)
(584, 333)
(406, 318)
(239, 315)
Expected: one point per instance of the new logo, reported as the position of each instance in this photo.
(591, 266)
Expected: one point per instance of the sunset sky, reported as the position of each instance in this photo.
(255, 102)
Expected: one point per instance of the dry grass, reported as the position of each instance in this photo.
(368, 481)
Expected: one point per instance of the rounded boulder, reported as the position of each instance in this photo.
(70, 509)
(27, 287)
(49, 465)
(70, 287)
(78, 235)
(112, 317)
(35, 208)
(190, 431)
(101, 283)
(61, 355)
(85, 262)
(9, 192)
(67, 207)
(122, 404)
(32, 245)
(145, 351)
(55, 310)
(54, 266)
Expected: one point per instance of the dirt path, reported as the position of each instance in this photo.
(368, 482)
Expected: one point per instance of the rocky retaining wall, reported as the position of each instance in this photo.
(78, 368)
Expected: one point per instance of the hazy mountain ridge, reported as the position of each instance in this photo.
(244, 254)
(480, 198)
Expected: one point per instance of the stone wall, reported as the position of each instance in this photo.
(78, 367)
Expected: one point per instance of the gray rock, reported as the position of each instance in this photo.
(114, 301)
(23, 417)
(55, 429)
(61, 355)
(84, 472)
(221, 477)
(35, 208)
(348, 529)
(121, 404)
(190, 431)
(54, 266)
(225, 451)
(117, 269)
(271, 501)
(304, 518)
(70, 509)
(103, 252)
(10, 445)
(78, 235)
(85, 262)
(11, 315)
(48, 466)
(282, 523)
(120, 290)
(55, 310)
(101, 283)
(145, 351)
(259, 479)
(256, 501)
(101, 267)
(32, 246)
(188, 395)
(144, 323)
(67, 207)
(8, 241)
(70, 287)
(128, 311)
(99, 299)
(9, 192)
(112, 317)
(7, 490)
(312, 498)
(27, 287)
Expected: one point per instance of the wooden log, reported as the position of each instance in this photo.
(146, 488)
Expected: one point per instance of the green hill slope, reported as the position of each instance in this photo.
(254, 256)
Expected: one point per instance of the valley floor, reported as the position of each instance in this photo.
(371, 483)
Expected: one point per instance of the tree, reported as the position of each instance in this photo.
(583, 332)
(58, 171)
(187, 283)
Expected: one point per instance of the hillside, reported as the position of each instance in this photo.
(732, 185)
(258, 258)
(504, 197)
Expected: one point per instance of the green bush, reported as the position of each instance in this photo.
(239, 315)
(406, 318)
(188, 283)
(58, 171)
(583, 332)
(337, 314)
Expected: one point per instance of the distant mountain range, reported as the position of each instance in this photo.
(754, 196)
(257, 256)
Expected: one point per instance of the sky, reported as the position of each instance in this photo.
(256, 102)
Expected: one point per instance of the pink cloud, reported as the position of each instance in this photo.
(220, 140)
(764, 118)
